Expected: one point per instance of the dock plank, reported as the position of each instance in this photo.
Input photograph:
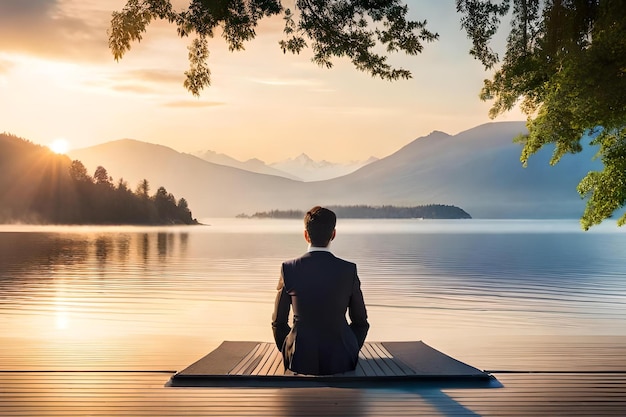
(268, 359)
(255, 360)
(379, 367)
(243, 363)
(359, 371)
(388, 359)
(366, 365)
(397, 367)
(277, 367)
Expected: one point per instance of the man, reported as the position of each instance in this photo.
(320, 287)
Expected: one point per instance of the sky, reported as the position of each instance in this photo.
(59, 82)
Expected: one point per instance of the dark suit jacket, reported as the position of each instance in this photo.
(320, 287)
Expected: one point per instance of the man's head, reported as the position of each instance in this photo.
(319, 226)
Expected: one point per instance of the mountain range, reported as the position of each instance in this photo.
(301, 168)
(477, 170)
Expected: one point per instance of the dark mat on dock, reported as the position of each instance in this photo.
(260, 364)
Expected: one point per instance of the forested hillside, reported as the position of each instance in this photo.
(39, 186)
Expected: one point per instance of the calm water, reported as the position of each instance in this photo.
(76, 298)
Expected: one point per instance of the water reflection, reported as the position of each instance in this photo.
(102, 247)
(119, 293)
(39, 251)
(144, 247)
(23, 252)
(184, 242)
(123, 248)
(162, 244)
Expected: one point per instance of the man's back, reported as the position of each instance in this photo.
(320, 287)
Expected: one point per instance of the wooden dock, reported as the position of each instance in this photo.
(142, 394)
(565, 378)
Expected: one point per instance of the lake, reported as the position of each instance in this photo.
(146, 298)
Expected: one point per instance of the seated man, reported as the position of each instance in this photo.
(320, 287)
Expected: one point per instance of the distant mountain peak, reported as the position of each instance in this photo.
(128, 142)
(252, 165)
(255, 162)
(303, 158)
(438, 134)
(303, 166)
(208, 152)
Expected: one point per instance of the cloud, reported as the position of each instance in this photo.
(62, 29)
(190, 103)
(144, 81)
(75, 29)
(20, 9)
(134, 88)
(135, 81)
(155, 76)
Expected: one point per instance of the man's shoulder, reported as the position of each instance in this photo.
(320, 255)
(295, 260)
(345, 262)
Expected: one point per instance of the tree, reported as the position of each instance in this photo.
(78, 172)
(143, 188)
(101, 176)
(183, 212)
(165, 203)
(333, 28)
(122, 185)
(565, 61)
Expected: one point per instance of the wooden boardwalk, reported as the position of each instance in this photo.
(61, 394)
(567, 378)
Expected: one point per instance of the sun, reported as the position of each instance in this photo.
(59, 146)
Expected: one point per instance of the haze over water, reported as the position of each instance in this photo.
(159, 298)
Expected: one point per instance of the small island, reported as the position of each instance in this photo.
(429, 211)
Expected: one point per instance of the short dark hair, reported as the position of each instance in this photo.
(320, 222)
